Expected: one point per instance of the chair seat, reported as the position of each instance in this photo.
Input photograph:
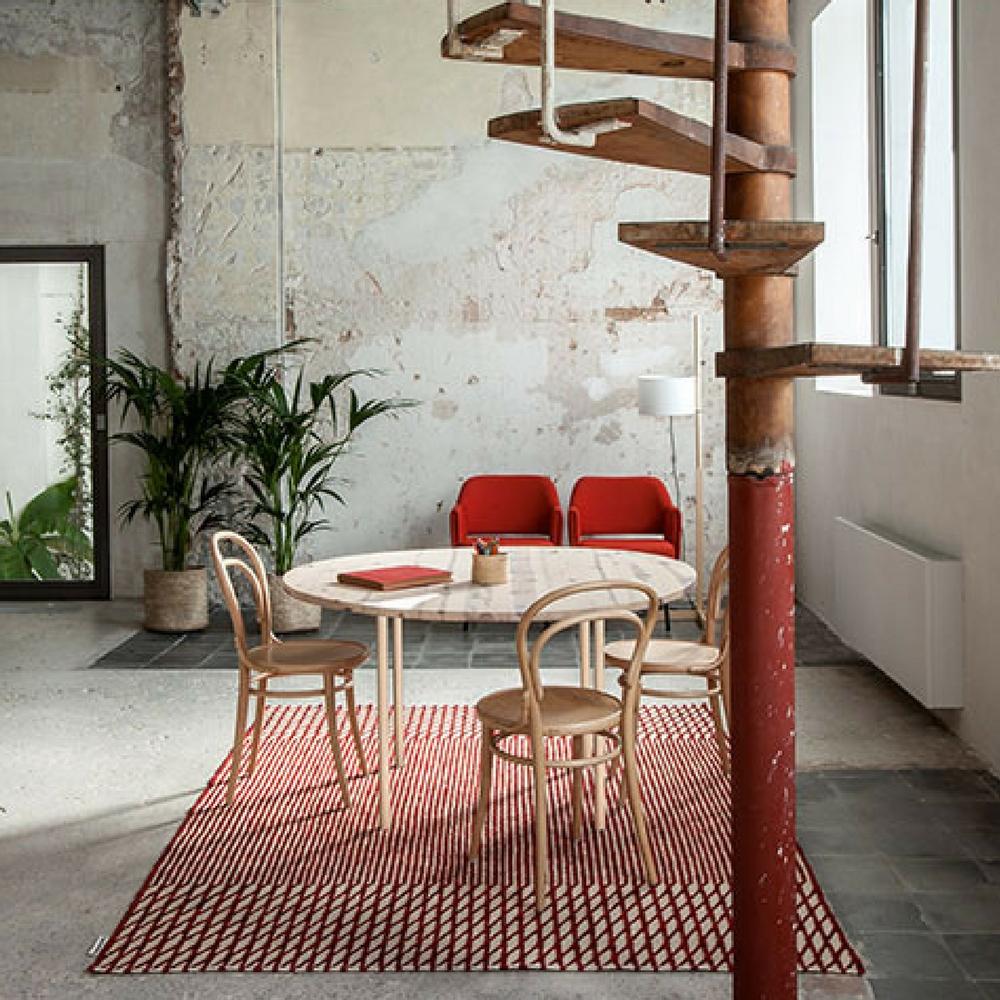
(308, 656)
(666, 656)
(654, 546)
(566, 711)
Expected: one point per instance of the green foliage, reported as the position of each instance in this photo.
(289, 460)
(35, 540)
(69, 406)
(182, 425)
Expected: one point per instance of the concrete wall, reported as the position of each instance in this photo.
(81, 161)
(928, 470)
(484, 278)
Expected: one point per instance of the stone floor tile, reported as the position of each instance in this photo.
(890, 955)
(969, 910)
(861, 912)
(977, 954)
(939, 874)
(872, 874)
(926, 989)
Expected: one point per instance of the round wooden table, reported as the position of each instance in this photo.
(534, 571)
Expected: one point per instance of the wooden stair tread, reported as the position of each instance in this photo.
(607, 46)
(809, 360)
(650, 135)
(752, 247)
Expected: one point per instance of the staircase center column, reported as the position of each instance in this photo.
(760, 461)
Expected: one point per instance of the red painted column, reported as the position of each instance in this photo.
(759, 312)
(762, 590)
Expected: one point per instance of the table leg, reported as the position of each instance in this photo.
(600, 796)
(397, 688)
(382, 650)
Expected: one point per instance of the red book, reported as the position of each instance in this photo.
(395, 577)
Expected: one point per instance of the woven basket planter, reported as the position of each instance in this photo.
(175, 600)
(289, 614)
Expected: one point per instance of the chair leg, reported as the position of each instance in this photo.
(578, 754)
(541, 833)
(242, 705)
(715, 701)
(352, 715)
(635, 797)
(485, 788)
(258, 725)
(331, 725)
(666, 617)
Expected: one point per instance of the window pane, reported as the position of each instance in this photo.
(841, 167)
(938, 327)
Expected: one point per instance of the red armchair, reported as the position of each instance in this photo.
(603, 508)
(522, 510)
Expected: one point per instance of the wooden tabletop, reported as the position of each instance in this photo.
(533, 571)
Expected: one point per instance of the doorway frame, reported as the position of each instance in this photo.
(99, 588)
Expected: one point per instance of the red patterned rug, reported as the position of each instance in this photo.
(288, 881)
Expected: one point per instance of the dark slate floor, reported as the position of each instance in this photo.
(909, 859)
(438, 644)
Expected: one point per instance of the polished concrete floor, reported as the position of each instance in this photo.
(100, 763)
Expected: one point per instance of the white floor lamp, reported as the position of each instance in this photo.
(680, 396)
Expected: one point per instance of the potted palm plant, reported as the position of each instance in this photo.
(289, 441)
(42, 541)
(182, 424)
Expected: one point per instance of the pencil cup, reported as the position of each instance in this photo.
(490, 570)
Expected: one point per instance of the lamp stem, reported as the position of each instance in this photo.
(673, 465)
(699, 508)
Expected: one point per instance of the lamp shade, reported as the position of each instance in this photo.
(666, 395)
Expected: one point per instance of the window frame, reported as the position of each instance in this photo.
(99, 587)
(931, 385)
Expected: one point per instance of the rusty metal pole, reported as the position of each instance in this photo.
(720, 111)
(918, 158)
(760, 458)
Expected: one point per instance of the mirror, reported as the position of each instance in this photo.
(53, 451)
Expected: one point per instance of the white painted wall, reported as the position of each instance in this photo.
(929, 471)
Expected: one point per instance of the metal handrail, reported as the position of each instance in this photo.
(918, 147)
(549, 124)
(720, 107)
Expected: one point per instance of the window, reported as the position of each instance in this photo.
(862, 99)
(53, 452)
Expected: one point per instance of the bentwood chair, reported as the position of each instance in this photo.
(331, 660)
(543, 713)
(707, 659)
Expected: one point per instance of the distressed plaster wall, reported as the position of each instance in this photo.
(485, 279)
(81, 161)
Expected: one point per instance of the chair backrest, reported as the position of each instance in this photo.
(717, 607)
(252, 569)
(625, 505)
(519, 505)
(529, 655)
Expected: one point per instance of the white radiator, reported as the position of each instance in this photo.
(901, 606)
